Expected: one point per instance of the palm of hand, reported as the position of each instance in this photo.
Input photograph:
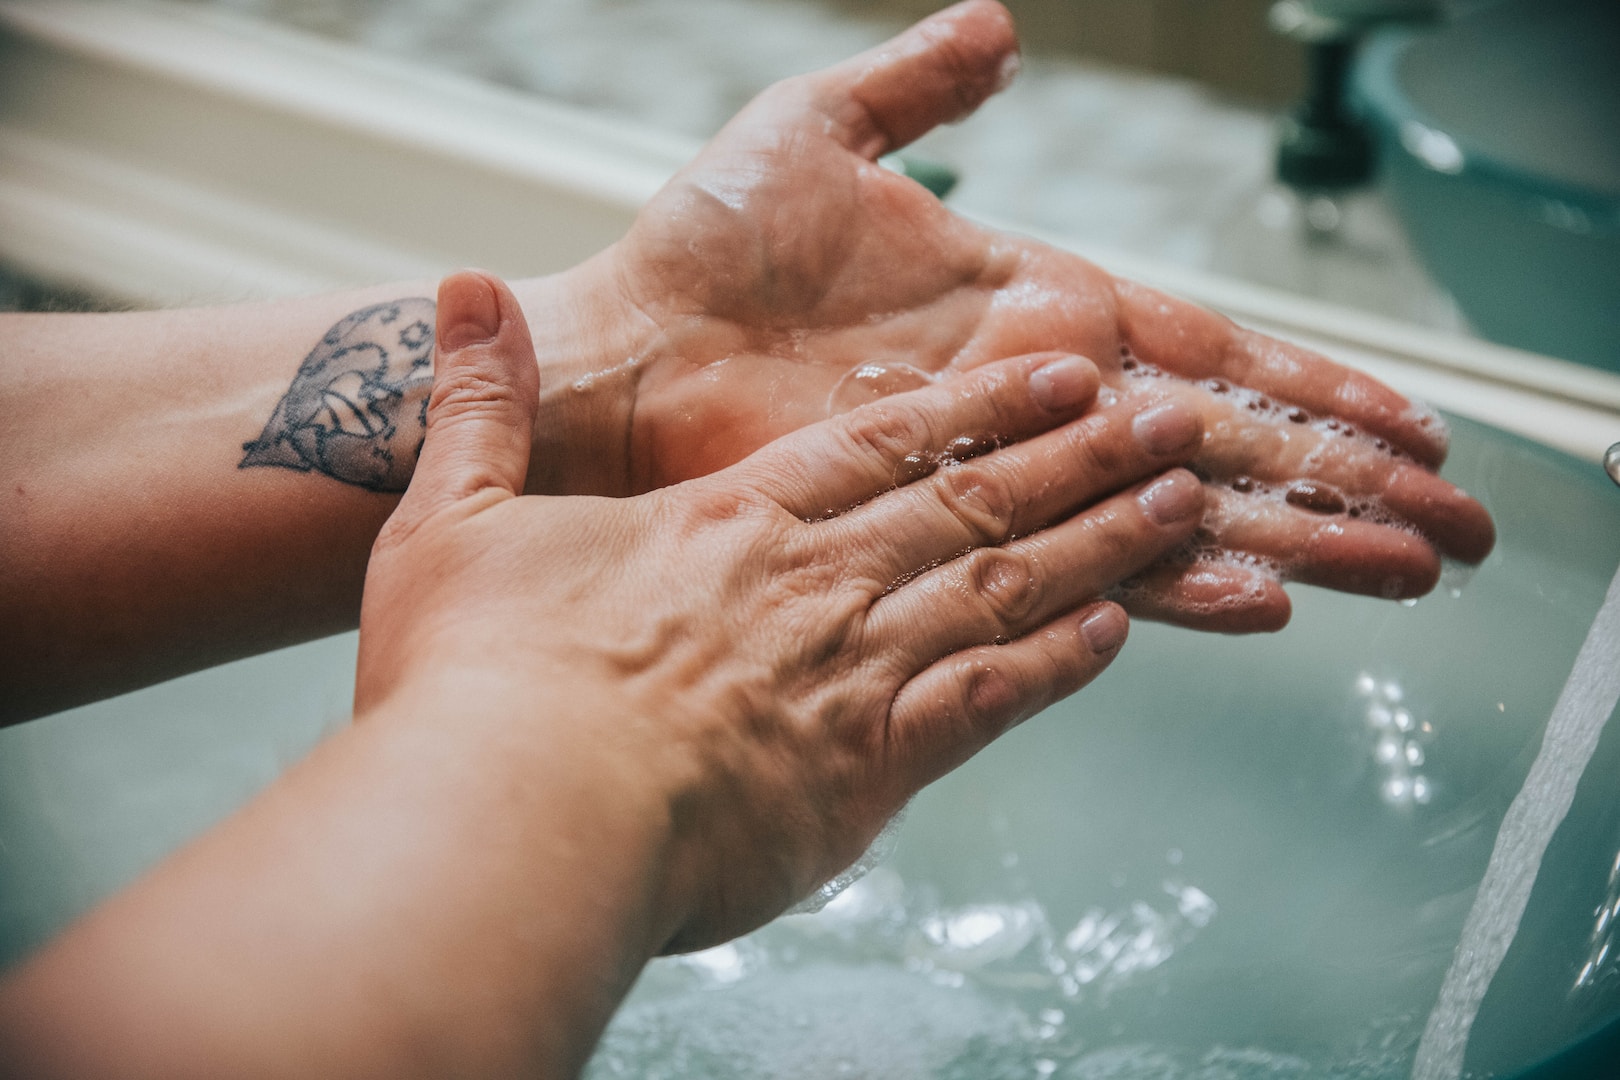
(784, 276)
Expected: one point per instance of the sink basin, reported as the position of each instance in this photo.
(1499, 142)
(1230, 857)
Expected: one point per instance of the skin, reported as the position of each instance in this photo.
(864, 265)
(467, 880)
(748, 300)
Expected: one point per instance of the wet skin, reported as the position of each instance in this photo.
(783, 275)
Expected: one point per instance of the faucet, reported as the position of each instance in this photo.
(1611, 462)
(1322, 147)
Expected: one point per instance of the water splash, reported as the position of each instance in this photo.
(1572, 735)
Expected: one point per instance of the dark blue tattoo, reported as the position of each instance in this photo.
(357, 409)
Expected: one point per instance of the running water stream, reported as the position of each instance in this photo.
(1535, 814)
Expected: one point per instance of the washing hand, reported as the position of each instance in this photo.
(783, 276)
(591, 729)
(789, 647)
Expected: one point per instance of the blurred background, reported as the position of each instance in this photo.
(1453, 164)
(1143, 125)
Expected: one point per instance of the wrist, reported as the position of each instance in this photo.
(587, 343)
(559, 837)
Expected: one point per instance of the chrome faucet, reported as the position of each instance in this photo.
(1611, 462)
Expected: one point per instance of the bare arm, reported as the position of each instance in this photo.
(780, 278)
(732, 692)
(186, 487)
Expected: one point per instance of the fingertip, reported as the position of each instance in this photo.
(1270, 614)
(991, 25)
(1457, 523)
(1211, 598)
(480, 412)
(1169, 428)
(1104, 626)
(1479, 544)
(939, 70)
(469, 310)
(1369, 559)
(1176, 498)
(1064, 383)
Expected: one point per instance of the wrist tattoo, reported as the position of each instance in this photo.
(357, 409)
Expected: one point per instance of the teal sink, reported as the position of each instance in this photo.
(1228, 858)
(1499, 136)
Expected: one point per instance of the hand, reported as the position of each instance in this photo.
(784, 276)
(590, 729)
(784, 651)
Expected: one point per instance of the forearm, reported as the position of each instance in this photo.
(458, 886)
(178, 493)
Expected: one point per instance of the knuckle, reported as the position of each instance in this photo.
(1006, 583)
(886, 433)
(1063, 665)
(991, 698)
(1120, 540)
(981, 498)
(466, 391)
(1103, 448)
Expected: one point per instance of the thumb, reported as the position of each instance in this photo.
(486, 389)
(938, 71)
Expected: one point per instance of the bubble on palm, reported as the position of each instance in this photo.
(881, 848)
(873, 381)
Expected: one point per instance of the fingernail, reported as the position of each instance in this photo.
(1166, 428)
(1011, 64)
(1105, 628)
(1061, 384)
(1172, 498)
(469, 312)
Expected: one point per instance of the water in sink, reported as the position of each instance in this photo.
(1230, 857)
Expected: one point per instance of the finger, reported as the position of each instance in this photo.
(1225, 597)
(480, 415)
(939, 70)
(826, 468)
(1001, 593)
(1195, 343)
(1456, 523)
(1294, 456)
(954, 708)
(1332, 550)
(1018, 489)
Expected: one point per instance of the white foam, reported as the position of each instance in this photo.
(1232, 496)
